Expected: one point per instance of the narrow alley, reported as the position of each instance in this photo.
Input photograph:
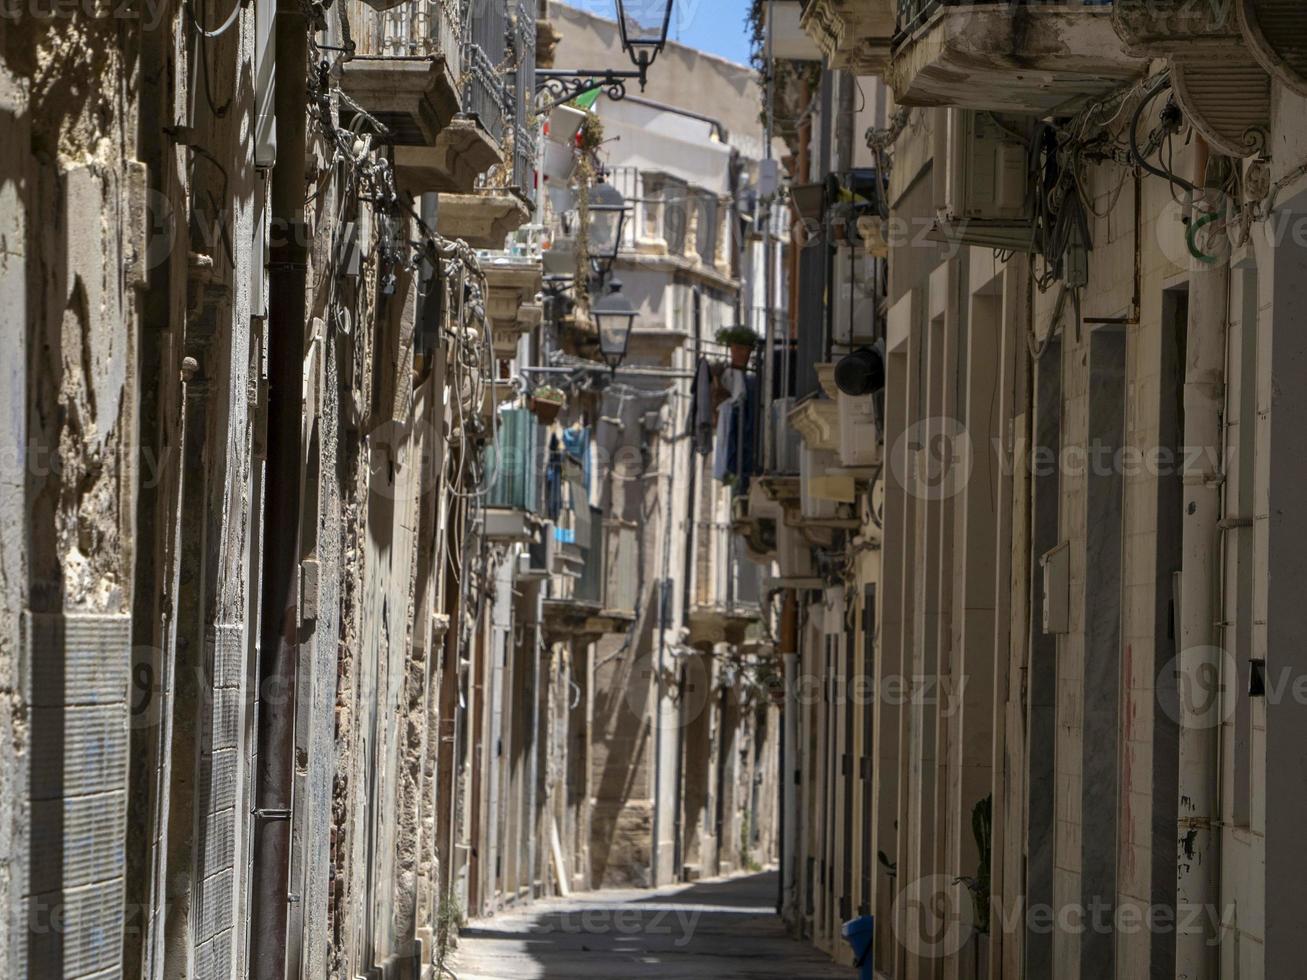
(726, 929)
(653, 488)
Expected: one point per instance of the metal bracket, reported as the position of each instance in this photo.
(559, 87)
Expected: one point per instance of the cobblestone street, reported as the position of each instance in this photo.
(725, 929)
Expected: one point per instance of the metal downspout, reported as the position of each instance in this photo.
(1198, 830)
(279, 639)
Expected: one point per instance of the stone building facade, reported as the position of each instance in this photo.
(1076, 525)
(308, 649)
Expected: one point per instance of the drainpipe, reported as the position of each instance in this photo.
(1198, 865)
(279, 636)
(538, 744)
(664, 612)
(687, 575)
(790, 749)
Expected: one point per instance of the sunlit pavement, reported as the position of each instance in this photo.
(726, 928)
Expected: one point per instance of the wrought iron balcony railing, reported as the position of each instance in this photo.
(514, 469)
(419, 29)
(725, 579)
(485, 54)
(589, 588)
(522, 97)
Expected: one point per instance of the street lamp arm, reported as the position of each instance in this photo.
(555, 87)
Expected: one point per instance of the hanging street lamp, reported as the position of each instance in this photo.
(608, 210)
(614, 317)
(643, 25)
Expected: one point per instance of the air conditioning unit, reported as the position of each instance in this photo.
(784, 443)
(539, 560)
(821, 493)
(859, 431)
(854, 297)
(986, 193)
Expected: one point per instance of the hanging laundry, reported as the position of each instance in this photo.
(576, 441)
(702, 421)
(554, 480)
(734, 383)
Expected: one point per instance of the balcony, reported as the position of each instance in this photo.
(498, 83)
(484, 218)
(727, 587)
(622, 563)
(671, 217)
(407, 73)
(1220, 84)
(1047, 59)
(853, 34)
(512, 303)
(785, 32)
(522, 101)
(514, 477)
(581, 605)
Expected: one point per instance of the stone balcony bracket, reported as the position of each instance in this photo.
(817, 421)
(415, 98)
(512, 304)
(483, 219)
(853, 34)
(463, 151)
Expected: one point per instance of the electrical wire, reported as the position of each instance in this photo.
(216, 32)
(1162, 83)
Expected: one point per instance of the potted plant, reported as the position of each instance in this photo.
(742, 341)
(546, 402)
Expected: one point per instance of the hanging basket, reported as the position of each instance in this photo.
(546, 410)
(740, 355)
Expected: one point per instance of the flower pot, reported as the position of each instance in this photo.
(546, 411)
(740, 355)
(559, 163)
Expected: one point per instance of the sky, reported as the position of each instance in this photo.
(715, 26)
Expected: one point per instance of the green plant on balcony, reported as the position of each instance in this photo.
(742, 341)
(591, 134)
(546, 402)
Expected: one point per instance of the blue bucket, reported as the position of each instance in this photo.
(858, 934)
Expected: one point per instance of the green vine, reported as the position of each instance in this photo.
(449, 920)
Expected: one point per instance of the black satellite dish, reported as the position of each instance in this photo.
(862, 372)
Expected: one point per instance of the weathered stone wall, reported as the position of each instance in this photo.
(70, 260)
